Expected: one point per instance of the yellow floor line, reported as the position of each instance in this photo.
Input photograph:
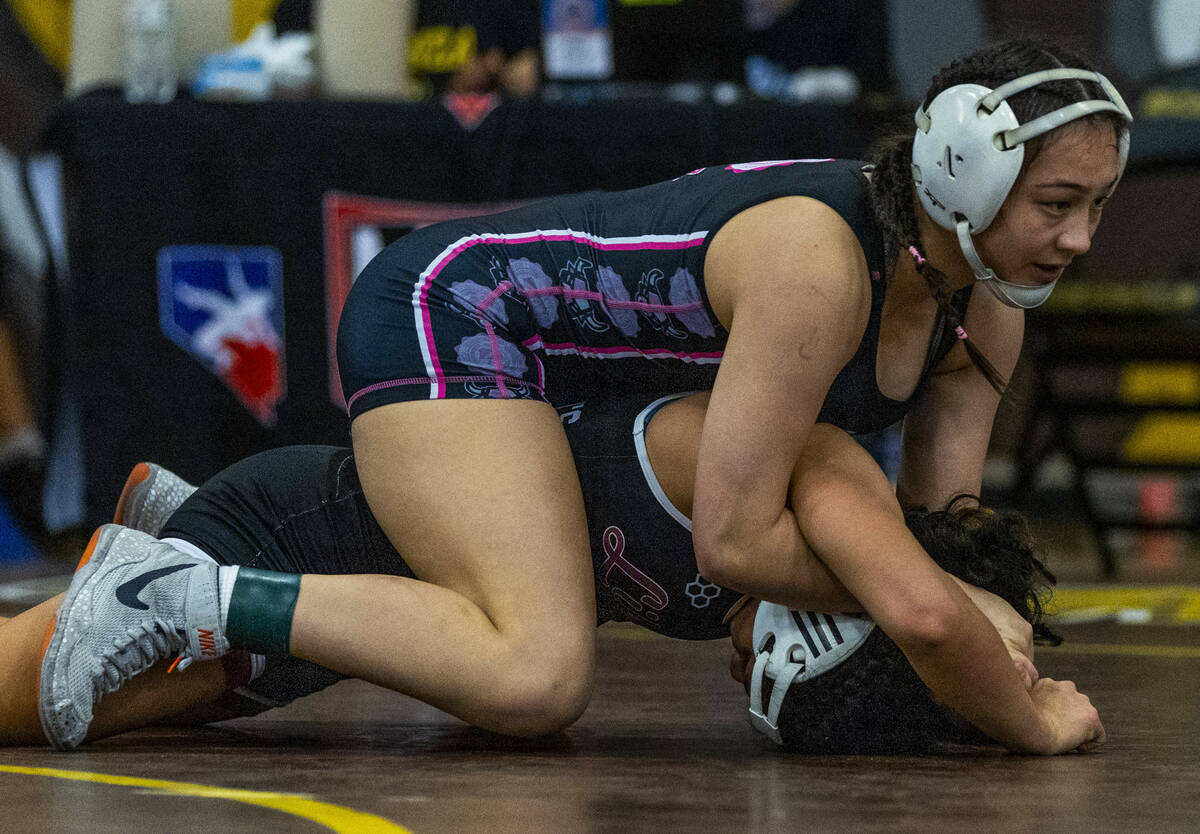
(1158, 604)
(1184, 652)
(333, 817)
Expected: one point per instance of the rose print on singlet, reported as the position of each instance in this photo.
(527, 275)
(613, 289)
(685, 293)
(482, 352)
(472, 296)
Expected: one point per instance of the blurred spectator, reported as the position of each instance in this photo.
(1177, 33)
(30, 87)
(22, 448)
(29, 90)
(1149, 40)
(461, 46)
(476, 46)
(813, 50)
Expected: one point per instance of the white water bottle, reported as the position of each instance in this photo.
(151, 74)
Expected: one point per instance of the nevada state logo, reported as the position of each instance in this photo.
(224, 306)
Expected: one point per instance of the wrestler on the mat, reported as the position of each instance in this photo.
(301, 509)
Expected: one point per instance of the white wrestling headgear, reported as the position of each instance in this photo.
(806, 644)
(967, 153)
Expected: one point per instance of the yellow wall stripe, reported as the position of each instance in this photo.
(1164, 437)
(1181, 652)
(334, 817)
(1164, 603)
(1160, 383)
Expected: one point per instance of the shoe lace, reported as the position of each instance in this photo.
(133, 652)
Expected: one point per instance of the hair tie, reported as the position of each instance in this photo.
(920, 259)
(962, 334)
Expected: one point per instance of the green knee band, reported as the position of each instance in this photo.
(260, 611)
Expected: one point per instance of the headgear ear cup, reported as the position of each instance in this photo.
(958, 170)
(967, 154)
(792, 647)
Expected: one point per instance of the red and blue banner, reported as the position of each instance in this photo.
(223, 305)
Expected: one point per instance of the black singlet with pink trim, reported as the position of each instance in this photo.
(301, 509)
(586, 295)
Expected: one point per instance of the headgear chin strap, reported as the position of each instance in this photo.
(967, 154)
(1022, 296)
(805, 644)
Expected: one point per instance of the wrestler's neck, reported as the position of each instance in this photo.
(906, 287)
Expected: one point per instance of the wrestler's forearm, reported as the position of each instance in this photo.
(951, 645)
(970, 671)
(787, 571)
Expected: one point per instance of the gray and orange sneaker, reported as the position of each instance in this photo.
(151, 494)
(133, 601)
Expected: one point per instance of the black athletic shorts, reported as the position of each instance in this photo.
(298, 509)
(301, 509)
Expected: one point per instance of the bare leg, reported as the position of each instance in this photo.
(148, 698)
(482, 498)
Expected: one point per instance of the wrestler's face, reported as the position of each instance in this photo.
(1054, 207)
(741, 634)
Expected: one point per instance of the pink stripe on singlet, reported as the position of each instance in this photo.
(420, 298)
(393, 383)
(493, 341)
(621, 352)
(645, 306)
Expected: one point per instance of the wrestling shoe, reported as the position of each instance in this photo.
(151, 494)
(132, 602)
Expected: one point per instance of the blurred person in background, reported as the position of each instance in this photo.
(30, 88)
(812, 51)
(460, 46)
(476, 46)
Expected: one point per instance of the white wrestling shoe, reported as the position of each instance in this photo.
(132, 602)
(151, 494)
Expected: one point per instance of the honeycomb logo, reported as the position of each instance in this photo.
(700, 592)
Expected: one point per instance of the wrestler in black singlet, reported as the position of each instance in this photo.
(301, 509)
(590, 295)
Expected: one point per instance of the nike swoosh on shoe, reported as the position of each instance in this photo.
(127, 592)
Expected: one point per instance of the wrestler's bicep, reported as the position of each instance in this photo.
(795, 320)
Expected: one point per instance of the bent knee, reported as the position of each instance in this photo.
(542, 711)
(545, 695)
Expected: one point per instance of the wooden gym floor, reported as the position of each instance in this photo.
(664, 747)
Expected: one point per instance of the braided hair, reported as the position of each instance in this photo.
(874, 702)
(893, 195)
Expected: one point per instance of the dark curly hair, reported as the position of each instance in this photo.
(874, 702)
(893, 195)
